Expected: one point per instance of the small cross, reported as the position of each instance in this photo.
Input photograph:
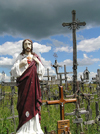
(56, 66)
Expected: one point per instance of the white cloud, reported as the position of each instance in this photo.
(89, 45)
(57, 43)
(14, 48)
(86, 45)
(92, 74)
(87, 61)
(47, 64)
(78, 37)
(38, 48)
(65, 49)
(7, 78)
(79, 74)
(89, 26)
(6, 61)
(81, 62)
(85, 56)
(69, 77)
(11, 48)
(66, 62)
(60, 46)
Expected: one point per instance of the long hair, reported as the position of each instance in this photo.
(23, 51)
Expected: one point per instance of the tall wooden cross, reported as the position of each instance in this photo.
(74, 25)
(62, 101)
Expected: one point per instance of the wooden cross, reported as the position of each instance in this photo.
(65, 73)
(74, 25)
(62, 101)
(48, 76)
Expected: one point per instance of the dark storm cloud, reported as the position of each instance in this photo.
(38, 19)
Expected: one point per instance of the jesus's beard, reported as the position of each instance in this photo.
(28, 50)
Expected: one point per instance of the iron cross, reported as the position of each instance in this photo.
(74, 25)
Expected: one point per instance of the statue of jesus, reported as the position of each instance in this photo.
(28, 69)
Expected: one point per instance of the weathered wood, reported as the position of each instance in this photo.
(48, 76)
(1, 97)
(63, 125)
(89, 122)
(79, 113)
(11, 117)
(97, 108)
(78, 120)
(9, 83)
(65, 79)
(56, 82)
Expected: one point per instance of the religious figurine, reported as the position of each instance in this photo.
(28, 69)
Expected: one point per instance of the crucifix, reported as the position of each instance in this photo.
(74, 25)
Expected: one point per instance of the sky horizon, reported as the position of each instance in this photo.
(41, 21)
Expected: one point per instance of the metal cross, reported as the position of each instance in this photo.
(74, 25)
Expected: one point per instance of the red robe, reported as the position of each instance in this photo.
(29, 95)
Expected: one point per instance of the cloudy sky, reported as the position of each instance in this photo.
(41, 21)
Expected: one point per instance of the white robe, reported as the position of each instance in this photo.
(33, 125)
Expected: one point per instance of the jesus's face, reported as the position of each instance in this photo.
(27, 46)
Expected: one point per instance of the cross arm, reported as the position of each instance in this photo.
(81, 23)
(59, 101)
(70, 100)
(53, 102)
(66, 73)
(66, 24)
(44, 101)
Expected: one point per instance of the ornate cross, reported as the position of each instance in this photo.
(62, 101)
(74, 25)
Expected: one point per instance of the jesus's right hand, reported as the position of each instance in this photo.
(23, 63)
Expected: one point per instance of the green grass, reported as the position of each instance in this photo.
(49, 115)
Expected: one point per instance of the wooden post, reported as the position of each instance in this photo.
(65, 77)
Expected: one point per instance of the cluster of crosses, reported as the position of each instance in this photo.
(64, 125)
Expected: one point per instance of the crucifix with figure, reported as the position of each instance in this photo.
(74, 25)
